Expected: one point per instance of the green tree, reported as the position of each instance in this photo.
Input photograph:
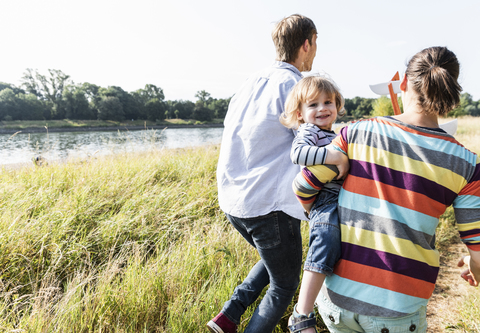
(110, 108)
(184, 108)
(155, 110)
(15, 90)
(461, 110)
(49, 88)
(202, 113)
(8, 105)
(203, 97)
(76, 103)
(150, 92)
(359, 107)
(382, 107)
(219, 107)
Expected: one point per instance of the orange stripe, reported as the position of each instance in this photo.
(410, 130)
(310, 183)
(470, 236)
(384, 279)
(401, 197)
(341, 143)
(475, 247)
(471, 189)
(306, 201)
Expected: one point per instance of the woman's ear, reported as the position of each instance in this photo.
(404, 83)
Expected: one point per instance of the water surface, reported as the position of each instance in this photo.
(22, 148)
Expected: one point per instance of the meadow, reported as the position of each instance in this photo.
(137, 243)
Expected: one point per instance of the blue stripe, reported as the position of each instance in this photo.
(385, 298)
(414, 220)
(473, 239)
(467, 201)
(305, 184)
(426, 142)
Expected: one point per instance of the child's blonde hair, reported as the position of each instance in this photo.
(306, 90)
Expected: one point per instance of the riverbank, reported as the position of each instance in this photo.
(66, 125)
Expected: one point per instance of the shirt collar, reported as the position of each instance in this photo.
(284, 65)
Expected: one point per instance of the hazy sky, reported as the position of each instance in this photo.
(184, 46)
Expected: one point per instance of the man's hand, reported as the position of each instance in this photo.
(340, 160)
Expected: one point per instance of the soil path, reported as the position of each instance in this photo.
(442, 310)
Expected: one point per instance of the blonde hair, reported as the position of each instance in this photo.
(306, 90)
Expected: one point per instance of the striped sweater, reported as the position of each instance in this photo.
(402, 178)
(308, 147)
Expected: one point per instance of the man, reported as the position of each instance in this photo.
(254, 180)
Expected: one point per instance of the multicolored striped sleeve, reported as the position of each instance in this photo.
(340, 143)
(311, 180)
(467, 211)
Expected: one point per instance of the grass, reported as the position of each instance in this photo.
(467, 307)
(133, 243)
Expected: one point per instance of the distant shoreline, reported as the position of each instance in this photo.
(101, 128)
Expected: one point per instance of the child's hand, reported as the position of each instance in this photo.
(338, 159)
(471, 273)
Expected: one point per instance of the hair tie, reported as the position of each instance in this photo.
(432, 67)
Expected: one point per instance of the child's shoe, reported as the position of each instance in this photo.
(299, 322)
(221, 324)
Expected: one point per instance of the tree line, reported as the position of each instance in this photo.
(56, 96)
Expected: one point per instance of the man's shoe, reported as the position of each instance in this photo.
(221, 324)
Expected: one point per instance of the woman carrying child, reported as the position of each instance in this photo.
(404, 173)
(312, 106)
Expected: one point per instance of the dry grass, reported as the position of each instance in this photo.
(455, 306)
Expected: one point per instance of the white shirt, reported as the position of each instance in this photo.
(255, 172)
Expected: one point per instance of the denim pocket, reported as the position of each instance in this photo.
(267, 231)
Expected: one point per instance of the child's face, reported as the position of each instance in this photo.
(320, 111)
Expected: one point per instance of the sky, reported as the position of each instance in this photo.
(184, 46)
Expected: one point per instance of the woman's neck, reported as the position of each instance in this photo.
(413, 114)
(418, 118)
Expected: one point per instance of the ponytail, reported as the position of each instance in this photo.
(434, 73)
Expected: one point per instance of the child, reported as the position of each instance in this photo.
(312, 106)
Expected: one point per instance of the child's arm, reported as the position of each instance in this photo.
(339, 159)
(311, 147)
(308, 146)
(310, 181)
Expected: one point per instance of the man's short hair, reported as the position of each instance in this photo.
(289, 35)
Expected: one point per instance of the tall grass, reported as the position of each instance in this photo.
(468, 306)
(123, 244)
(129, 243)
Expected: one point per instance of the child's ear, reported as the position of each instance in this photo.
(299, 115)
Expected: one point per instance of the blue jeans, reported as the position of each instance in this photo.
(277, 238)
(324, 246)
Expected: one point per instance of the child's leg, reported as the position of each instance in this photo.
(311, 284)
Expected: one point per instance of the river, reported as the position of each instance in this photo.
(22, 148)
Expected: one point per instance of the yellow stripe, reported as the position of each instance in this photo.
(322, 173)
(468, 226)
(393, 245)
(440, 175)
